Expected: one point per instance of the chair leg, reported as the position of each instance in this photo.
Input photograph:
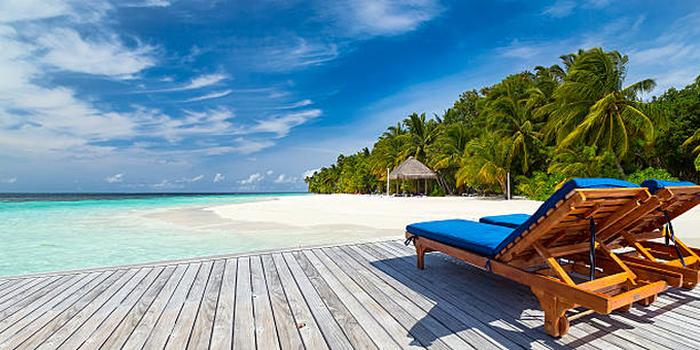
(555, 322)
(648, 300)
(420, 253)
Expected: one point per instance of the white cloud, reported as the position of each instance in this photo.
(193, 179)
(252, 179)
(269, 172)
(145, 3)
(302, 103)
(210, 96)
(198, 82)
(219, 177)
(246, 146)
(284, 179)
(115, 178)
(8, 180)
(560, 8)
(25, 10)
(281, 125)
(517, 49)
(563, 8)
(290, 53)
(67, 50)
(380, 17)
(309, 173)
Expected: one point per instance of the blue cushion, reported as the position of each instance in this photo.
(508, 220)
(560, 194)
(655, 184)
(489, 240)
(470, 235)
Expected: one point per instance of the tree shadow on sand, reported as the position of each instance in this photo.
(483, 308)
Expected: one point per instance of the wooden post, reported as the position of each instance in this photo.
(508, 186)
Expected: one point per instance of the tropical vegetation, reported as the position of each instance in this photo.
(580, 118)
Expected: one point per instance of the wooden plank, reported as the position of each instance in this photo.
(201, 332)
(287, 328)
(44, 316)
(66, 328)
(582, 334)
(222, 334)
(265, 332)
(29, 301)
(163, 327)
(304, 320)
(89, 326)
(21, 295)
(185, 320)
(105, 329)
(399, 334)
(24, 316)
(485, 292)
(466, 320)
(244, 320)
(131, 319)
(424, 328)
(357, 336)
(332, 332)
(18, 288)
(374, 329)
(139, 335)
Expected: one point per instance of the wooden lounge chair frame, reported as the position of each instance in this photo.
(550, 258)
(649, 223)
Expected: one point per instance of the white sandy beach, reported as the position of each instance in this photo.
(323, 219)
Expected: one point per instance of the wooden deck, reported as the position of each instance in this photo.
(367, 296)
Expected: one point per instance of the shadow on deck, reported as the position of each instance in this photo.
(470, 301)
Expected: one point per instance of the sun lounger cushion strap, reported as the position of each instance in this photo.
(670, 236)
(591, 249)
(409, 240)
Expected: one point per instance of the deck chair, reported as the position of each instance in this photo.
(556, 252)
(648, 222)
(671, 199)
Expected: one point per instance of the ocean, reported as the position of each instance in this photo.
(52, 232)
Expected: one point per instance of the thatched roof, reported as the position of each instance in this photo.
(411, 168)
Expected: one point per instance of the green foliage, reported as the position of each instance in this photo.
(650, 173)
(577, 119)
(585, 161)
(540, 185)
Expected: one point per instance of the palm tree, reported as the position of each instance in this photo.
(694, 139)
(485, 163)
(422, 133)
(509, 113)
(592, 107)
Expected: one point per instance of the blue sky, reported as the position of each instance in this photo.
(167, 95)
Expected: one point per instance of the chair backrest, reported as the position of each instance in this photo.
(564, 219)
(674, 198)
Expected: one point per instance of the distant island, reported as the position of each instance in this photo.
(580, 118)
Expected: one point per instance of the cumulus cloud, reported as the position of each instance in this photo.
(219, 177)
(252, 179)
(269, 172)
(116, 178)
(309, 173)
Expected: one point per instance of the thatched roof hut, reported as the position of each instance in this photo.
(412, 169)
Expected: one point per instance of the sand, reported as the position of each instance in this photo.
(324, 219)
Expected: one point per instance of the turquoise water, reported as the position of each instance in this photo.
(51, 233)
